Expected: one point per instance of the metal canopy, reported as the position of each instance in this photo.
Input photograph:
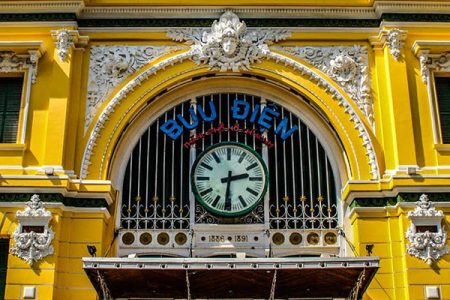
(267, 278)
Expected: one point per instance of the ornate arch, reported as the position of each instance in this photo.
(346, 118)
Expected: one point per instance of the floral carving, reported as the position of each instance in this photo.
(110, 65)
(229, 45)
(426, 245)
(35, 208)
(13, 62)
(348, 66)
(435, 62)
(32, 244)
(395, 42)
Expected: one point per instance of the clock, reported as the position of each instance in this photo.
(229, 179)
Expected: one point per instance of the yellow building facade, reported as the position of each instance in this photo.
(342, 103)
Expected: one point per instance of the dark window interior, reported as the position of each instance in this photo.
(4, 247)
(10, 97)
(443, 97)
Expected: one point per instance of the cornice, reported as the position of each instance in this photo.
(306, 12)
(67, 6)
(78, 7)
(215, 12)
(429, 46)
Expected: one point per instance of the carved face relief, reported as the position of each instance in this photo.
(229, 45)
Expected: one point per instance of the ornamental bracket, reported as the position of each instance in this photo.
(394, 39)
(426, 234)
(33, 237)
(65, 40)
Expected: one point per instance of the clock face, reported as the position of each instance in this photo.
(229, 179)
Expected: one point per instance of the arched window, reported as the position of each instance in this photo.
(158, 207)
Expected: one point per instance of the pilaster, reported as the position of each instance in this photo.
(59, 95)
(395, 114)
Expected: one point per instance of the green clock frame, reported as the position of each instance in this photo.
(221, 213)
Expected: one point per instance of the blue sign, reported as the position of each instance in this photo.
(241, 110)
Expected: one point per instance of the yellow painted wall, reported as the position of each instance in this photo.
(58, 276)
(54, 137)
(400, 276)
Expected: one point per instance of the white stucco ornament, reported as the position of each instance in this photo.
(33, 237)
(110, 65)
(64, 40)
(228, 45)
(395, 42)
(433, 62)
(11, 62)
(426, 235)
(346, 65)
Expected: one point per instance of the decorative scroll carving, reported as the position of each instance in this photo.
(12, 62)
(202, 216)
(435, 62)
(228, 46)
(395, 42)
(110, 65)
(33, 237)
(426, 235)
(423, 59)
(64, 41)
(348, 66)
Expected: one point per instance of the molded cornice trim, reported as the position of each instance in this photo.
(58, 10)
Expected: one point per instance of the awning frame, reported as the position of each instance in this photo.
(97, 267)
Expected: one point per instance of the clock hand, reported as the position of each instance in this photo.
(234, 177)
(227, 193)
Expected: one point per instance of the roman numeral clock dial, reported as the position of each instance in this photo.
(229, 179)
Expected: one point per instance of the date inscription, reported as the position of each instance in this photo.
(239, 238)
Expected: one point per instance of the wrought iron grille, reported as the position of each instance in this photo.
(156, 188)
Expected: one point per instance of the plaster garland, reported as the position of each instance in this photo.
(346, 65)
(111, 65)
(228, 47)
(33, 246)
(11, 62)
(428, 246)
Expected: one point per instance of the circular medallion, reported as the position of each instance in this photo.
(229, 179)
(295, 238)
(128, 238)
(145, 238)
(163, 238)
